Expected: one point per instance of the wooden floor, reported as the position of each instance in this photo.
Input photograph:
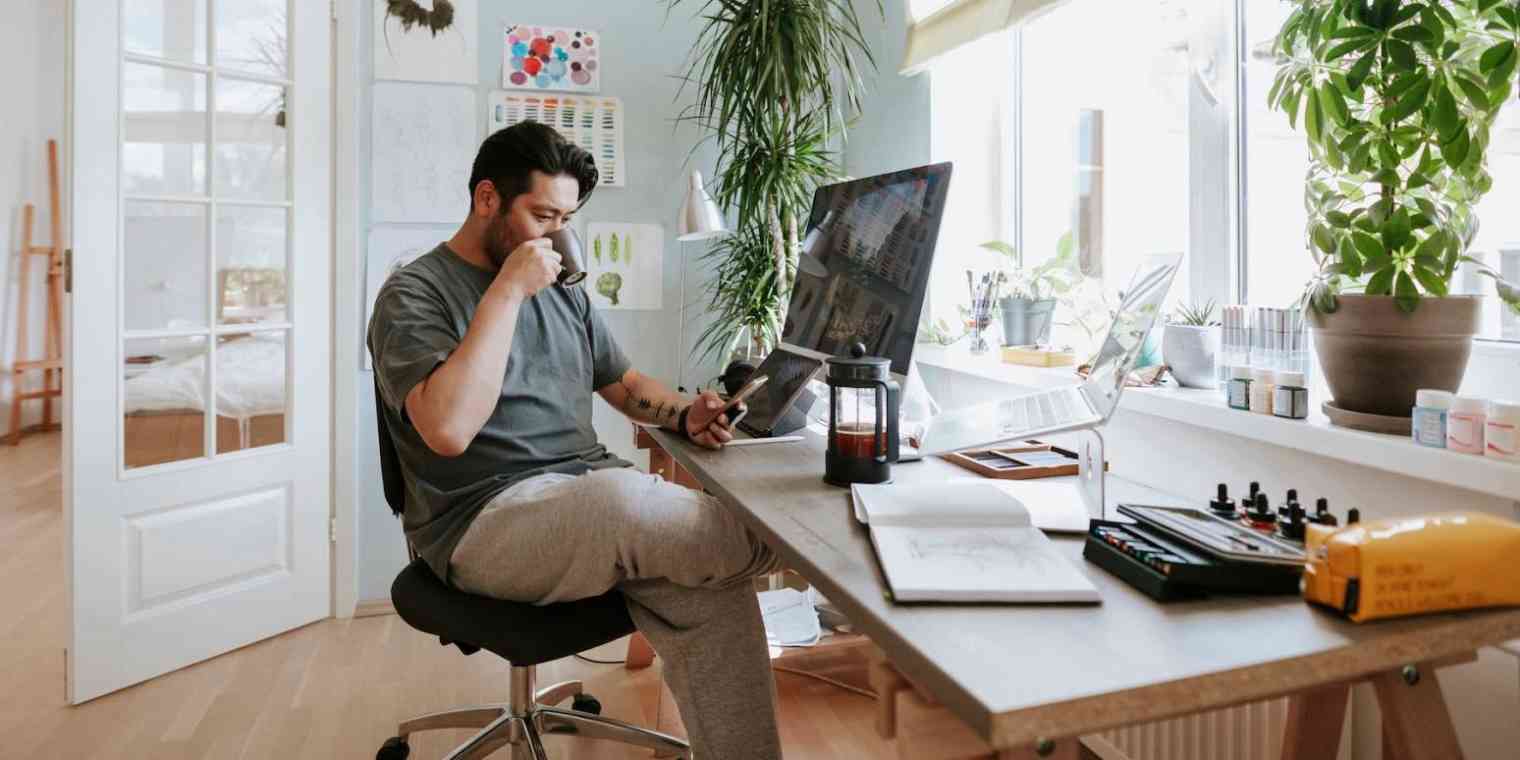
(334, 689)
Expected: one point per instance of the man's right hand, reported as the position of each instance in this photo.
(531, 267)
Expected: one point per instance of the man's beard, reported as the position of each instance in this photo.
(497, 246)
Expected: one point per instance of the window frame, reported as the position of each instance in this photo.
(1222, 278)
(1218, 158)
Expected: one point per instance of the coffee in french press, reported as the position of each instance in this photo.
(863, 410)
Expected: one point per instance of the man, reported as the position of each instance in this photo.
(486, 368)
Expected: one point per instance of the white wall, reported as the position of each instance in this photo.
(33, 58)
(643, 50)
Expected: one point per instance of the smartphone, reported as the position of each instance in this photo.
(754, 384)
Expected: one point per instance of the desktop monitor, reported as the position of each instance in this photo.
(861, 277)
(864, 265)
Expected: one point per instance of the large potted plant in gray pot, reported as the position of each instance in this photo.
(1029, 309)
(1397, 99)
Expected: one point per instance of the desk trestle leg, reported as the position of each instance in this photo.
(1416, 723)
(1315, 717)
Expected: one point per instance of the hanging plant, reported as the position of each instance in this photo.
(411, 14)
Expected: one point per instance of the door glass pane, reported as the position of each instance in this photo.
(250, 390)
(172, 29)
(164, 145)
(251, 140)
(165, 272)
(164, 397)
(251, 35)
(250, 264)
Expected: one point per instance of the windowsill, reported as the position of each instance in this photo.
(1207, 409)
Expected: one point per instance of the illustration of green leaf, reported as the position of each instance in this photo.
(628, 249)
(614, 252)
(596, 248)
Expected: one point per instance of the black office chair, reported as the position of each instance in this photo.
(523, 634)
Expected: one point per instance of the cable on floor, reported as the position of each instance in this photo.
(599, 662)
(827, 680)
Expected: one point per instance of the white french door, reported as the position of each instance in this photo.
(197, 426)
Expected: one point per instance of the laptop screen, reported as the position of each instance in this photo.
(992, 421)
(1139, 305)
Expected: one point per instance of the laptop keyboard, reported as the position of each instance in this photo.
(1044, 410)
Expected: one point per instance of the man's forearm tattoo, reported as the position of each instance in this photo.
(643, 408)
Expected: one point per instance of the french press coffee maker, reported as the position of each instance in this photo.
(863, 410)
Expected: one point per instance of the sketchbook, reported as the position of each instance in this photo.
(965, 541)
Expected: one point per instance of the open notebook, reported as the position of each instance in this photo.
(964, 541)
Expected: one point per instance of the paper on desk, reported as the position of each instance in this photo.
(1052, 504)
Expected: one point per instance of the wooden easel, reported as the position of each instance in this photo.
(51, 363)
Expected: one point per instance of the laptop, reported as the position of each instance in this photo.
(1075, 407)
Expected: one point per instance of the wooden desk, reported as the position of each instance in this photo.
(1027, 679)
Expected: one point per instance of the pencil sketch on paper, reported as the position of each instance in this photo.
(983, 551)
(424, 140)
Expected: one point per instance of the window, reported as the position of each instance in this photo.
(1104, 130)
(1276, 157)
(1052, 139)
(1126, 124)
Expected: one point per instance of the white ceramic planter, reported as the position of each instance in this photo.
(1191, 353)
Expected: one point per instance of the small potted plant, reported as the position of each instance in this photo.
(1397, 99)
(1190, 345)
(1028, 310)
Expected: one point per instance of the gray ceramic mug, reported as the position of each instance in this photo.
(568, 245)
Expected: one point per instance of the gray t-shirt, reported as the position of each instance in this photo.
(561, 353)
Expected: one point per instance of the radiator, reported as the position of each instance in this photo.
(1248, 732)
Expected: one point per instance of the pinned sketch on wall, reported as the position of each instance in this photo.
(594, 123)
(558, 58)
(625, 265)
(427, 40)
(424, 140)
(390, 249)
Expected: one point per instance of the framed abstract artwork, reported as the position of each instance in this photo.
(551, 59)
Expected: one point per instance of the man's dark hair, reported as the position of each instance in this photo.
(509, 156)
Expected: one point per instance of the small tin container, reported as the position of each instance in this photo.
(1428, 423)
(1238, 391)
(1465, 425)
(1261, 390)
(1290, 397)
(1502, 436)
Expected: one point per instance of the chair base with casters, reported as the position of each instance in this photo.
(525, 635)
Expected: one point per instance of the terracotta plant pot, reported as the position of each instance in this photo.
(1191, 352)
(1376, 356)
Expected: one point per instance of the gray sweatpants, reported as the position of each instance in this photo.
(683, 562)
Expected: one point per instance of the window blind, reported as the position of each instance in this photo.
(939, 26)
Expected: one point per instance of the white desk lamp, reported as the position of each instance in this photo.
(700, 220)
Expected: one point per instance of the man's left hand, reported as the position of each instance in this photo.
(706, 424)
